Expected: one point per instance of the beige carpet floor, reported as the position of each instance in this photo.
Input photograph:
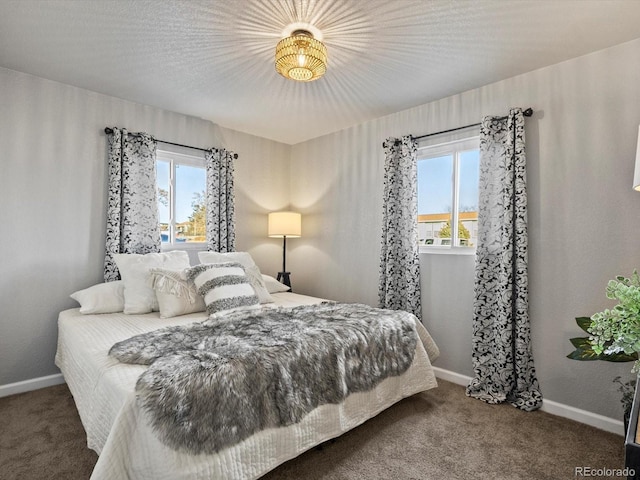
(440, 434)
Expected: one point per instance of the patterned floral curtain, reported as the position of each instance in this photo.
(502, 358)
(132, 211)
(399, 260)
(221, 235)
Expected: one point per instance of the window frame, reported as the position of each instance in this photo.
(454, 148)
(176, 159)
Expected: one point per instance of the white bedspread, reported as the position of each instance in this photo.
(104, 392)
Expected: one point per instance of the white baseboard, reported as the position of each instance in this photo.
(583, 416)
(549, 406)
(29, 385)
(452, 377)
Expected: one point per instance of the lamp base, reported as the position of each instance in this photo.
(283, 277)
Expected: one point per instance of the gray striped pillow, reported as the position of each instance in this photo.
(225, 287)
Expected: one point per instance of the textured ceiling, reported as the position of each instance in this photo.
(214, 58)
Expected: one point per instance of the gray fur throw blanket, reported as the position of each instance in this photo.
(212, 384)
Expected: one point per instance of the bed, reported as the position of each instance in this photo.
(118, 430)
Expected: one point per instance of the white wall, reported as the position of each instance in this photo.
(53, 189)
(584, 218)
(262, 186)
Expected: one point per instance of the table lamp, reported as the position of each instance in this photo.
(283, 225)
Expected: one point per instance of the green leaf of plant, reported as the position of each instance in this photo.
(620, 357)
(586, 355)
(579, 354)
(581, 343)
(583, 323)
(584, 351)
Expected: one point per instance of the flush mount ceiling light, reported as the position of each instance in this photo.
(301, 57)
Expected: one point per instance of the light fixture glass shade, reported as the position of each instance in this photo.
(636, 174)
(301, 57)
(285, 224)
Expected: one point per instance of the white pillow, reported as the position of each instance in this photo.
(175, 293)
(101, 298)
(135, 269)
(243, 258)
(273, 285)
(250, 267)
(225, 287)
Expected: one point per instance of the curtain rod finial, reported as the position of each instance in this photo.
(528, 112)
(108, 130)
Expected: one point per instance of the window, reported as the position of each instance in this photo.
(448, 177)
(181, 181)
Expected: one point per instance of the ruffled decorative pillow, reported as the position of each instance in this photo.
(175, 293)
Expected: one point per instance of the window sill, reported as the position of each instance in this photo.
(166, 247)
(448, 251)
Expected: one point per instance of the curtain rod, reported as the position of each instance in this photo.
(527, 113)
(109, 131)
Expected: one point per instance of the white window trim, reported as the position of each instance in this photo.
(454, 147)
(175, 158)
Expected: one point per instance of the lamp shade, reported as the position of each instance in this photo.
(636, 175)
(285, 224)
